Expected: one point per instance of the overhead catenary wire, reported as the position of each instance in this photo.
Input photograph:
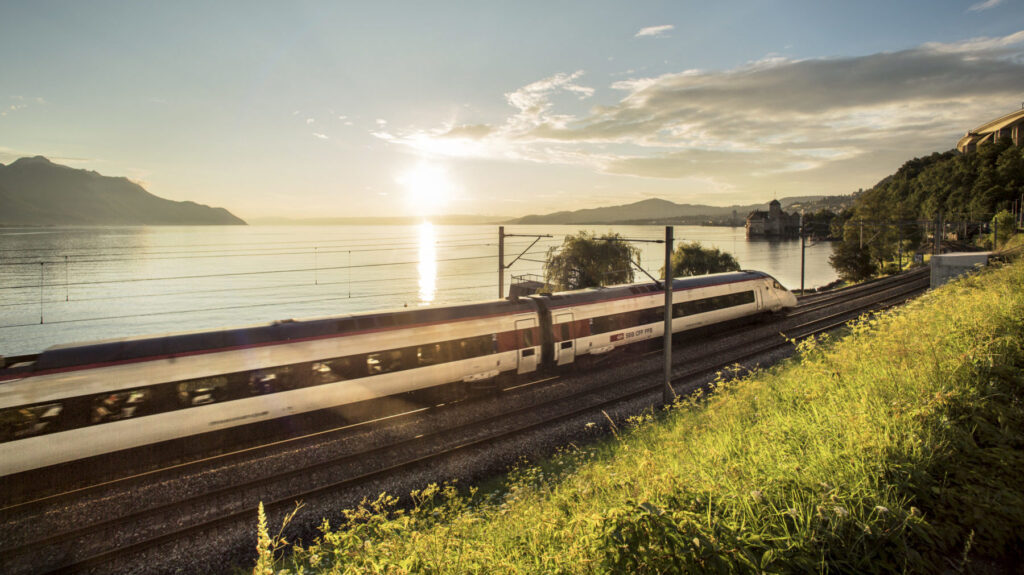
(313, 251)
(239, 288)
(372, 241)
(237, 274)
(32, 260)
(66, 284)
(231, 307)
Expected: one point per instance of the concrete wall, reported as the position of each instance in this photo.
(948, 266)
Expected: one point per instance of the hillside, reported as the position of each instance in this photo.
(893, 217)
(37, 192)
(898, 449)
(663, 211)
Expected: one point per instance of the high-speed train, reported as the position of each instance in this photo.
(73, 403)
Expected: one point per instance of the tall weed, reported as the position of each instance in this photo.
(899, 448)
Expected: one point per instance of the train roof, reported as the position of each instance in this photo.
(598, 294)
(279, 331)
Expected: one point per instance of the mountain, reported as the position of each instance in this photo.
(450, 220)
(663, 211)
(37, 192)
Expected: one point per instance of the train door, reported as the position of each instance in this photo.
(565, 342)
(525, 330)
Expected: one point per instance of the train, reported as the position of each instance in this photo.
(110, 399)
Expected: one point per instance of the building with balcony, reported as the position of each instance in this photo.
(1009, 127)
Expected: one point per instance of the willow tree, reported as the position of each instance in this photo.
(693, 259)
(585, 260)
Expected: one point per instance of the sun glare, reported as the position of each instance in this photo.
(427, 189)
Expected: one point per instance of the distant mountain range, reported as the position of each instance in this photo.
(37, 192)
(658, 211)
(451, 220)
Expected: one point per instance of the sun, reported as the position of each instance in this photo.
(427, 188)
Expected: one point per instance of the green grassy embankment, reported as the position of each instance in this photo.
(898, 448)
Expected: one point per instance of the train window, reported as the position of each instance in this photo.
(601, 324)
(712, 303)
(383, 362)
(432, 354)
(351, 367)
(119, 405)
(19, 422)
(322, 372)
(264, 381)
(202, 391)
(652, 315)
(475, 346)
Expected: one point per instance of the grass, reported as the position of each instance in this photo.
(895, 449)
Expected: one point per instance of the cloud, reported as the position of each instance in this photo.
(984, 5)
(321, 136)
(823, 125)
(990, 47)
(309, 121)
(658, 31)
(23, 102)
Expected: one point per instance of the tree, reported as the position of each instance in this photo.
(585, 260)
(1005, 226)
(849, 258)
(693, 259)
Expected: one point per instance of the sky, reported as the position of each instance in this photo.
(346, 109)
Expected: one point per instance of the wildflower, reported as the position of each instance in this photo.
(757, 495)
(840, 511)
(791, 512)
(881, 510)
(590, 425)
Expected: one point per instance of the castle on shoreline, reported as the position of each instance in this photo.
(773, 223)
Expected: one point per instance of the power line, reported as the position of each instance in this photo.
(311, 243)
(242, 306)
(238, 289)
(30, 260)
(237, 274)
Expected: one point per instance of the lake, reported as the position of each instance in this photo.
(67, 285)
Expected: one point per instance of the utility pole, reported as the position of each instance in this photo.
(501, 262)
(668, 394)
(501, 254)
(41, 266)
(899, 234)
(803, 251)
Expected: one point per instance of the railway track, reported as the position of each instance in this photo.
(109, 535)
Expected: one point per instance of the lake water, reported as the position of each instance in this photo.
(66, 285)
